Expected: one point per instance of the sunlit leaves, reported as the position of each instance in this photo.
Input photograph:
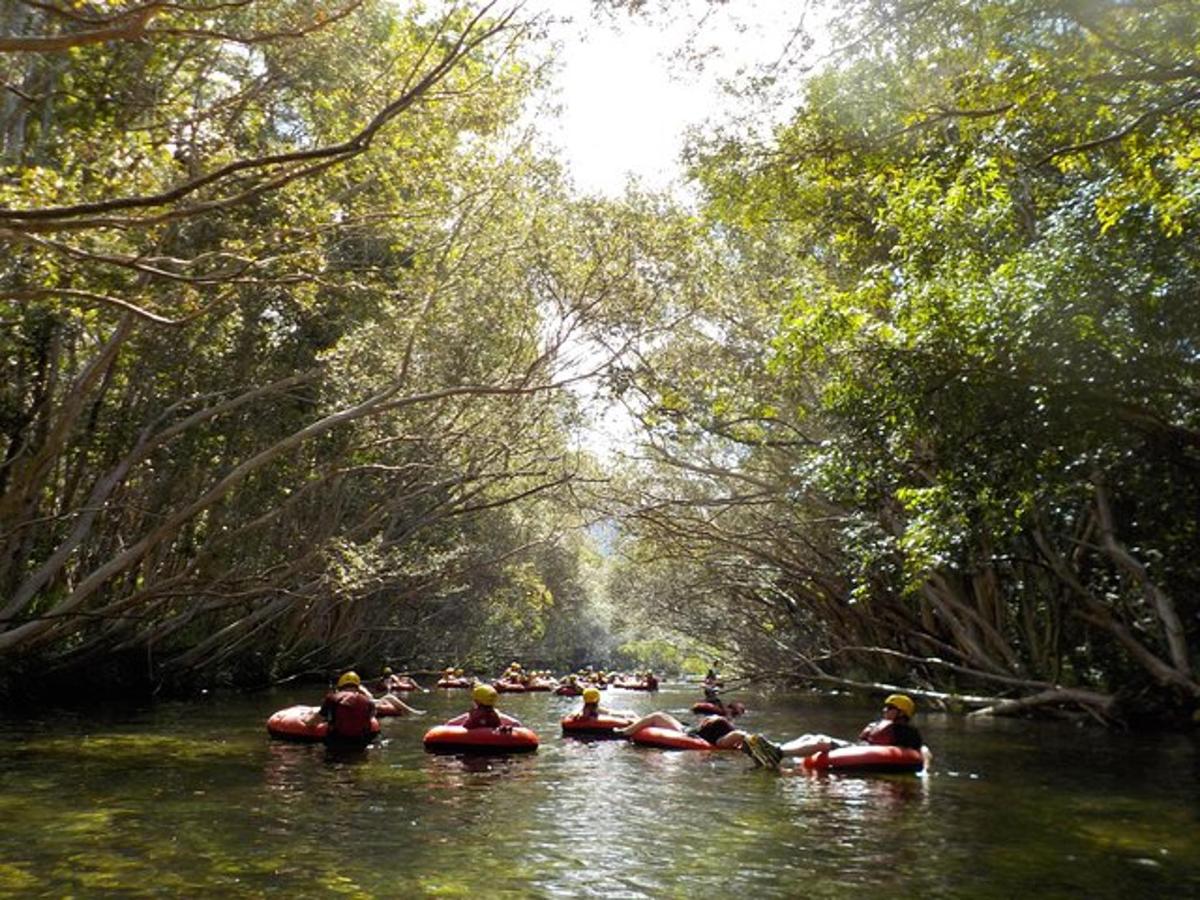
(988, 215)
(404, 269)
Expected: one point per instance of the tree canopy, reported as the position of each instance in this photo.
(289, 302)
(947, 413)
(295, 303)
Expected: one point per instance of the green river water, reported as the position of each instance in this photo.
(194, 800)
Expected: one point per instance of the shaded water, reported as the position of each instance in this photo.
(195, 800)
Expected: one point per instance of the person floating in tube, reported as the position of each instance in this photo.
(391, 683)
(893, 728)
(593, 710)
(483, 713)
(348, 709)
(716, 730)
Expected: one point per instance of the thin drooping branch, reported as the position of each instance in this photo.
(310, 161)
(148, 440)
(381, 402)
(1093, 701)
(1163, 605)
(1148, 117)
(127, 25)
(997, 677)
(1096, 613)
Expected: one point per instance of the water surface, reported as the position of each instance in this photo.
(196, 800)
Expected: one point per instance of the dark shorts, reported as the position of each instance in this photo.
(712, 729)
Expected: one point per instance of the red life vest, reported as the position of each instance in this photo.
(482, 717)
(886, 732)
(352, 712)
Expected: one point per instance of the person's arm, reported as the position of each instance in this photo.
(458, 720)
(324, 712)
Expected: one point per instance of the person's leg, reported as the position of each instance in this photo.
(656, 719)
(384, 706)
(810, 743)
(397, 707)
(734, 740)
(411, 710)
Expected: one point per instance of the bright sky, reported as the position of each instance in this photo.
(626, 105)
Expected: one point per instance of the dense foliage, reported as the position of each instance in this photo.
(289, 305)
(293, 307)
(948, 411)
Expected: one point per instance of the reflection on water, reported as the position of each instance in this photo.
(148, 802)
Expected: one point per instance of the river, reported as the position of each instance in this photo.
(195, 800)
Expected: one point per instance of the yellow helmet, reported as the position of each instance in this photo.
(591, 695)
(387, 670)
(349, 678)
(902, 703)
(484, 695)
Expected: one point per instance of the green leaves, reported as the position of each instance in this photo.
(293, 363)
(985, 218)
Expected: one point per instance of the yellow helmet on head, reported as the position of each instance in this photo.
(591, 695)
(387, 670)
(901, 702)
(484, 695)
(349, 678)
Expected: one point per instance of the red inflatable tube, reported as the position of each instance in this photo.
(290, 725)
(454, 683)
(456, 739)
(509, 687)
(705, 707)
(598, 726)
(866, 758)
(670, 739)
(568, 691)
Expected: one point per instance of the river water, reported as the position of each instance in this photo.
(195, 800)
